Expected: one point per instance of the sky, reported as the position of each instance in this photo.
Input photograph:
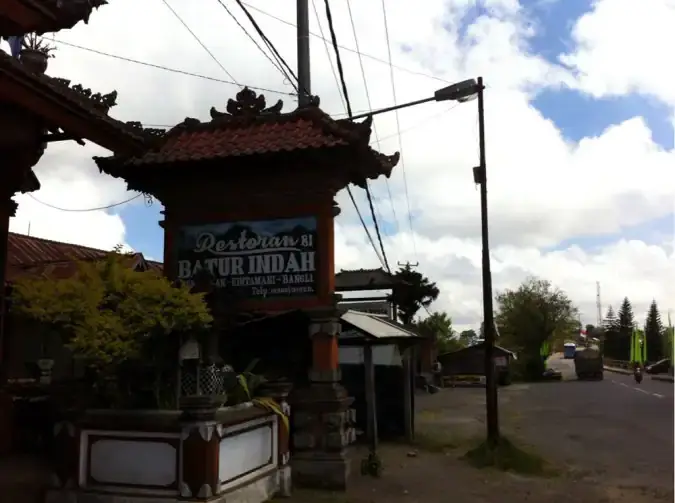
(579, 111)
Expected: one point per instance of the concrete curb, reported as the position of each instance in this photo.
(618, 371)
(630, 372)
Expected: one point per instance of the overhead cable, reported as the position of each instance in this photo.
(84, 210)
(275, 64)
(349, 49)
(165, 68)
(398, 127)
(336, 48)
(370, 106)
(269, 44)
(194, 35)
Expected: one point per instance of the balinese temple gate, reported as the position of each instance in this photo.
(249, 197)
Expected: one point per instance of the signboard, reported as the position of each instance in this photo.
(500, 361)
(259, 259)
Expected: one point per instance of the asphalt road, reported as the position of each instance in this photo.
(614, 429)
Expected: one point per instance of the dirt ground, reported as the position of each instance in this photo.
(452, 421)
(573, 428)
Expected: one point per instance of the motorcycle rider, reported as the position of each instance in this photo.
(637, 373)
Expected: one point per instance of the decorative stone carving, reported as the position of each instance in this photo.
(102, 102)
(147, 133)
(247, 104)
(205, 492)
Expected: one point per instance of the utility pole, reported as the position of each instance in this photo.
(598, 303)
(480, 176)
(408, 264)
(304, 76)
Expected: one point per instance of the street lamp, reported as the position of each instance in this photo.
(462, 92)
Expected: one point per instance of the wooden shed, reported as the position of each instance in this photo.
(387, 345)
(470, 362)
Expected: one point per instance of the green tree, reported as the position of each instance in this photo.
(110, 315)
(527, 317)
(654, 333)
(438, 327)
(468, 337)
(610, 330)
(626, 325)
(413, 291)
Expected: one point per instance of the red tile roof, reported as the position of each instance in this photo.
(28, 255)
(47, 15)
(250, 139)
(129, 134)
(248, 128)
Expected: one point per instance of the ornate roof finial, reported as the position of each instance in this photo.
(247, 104)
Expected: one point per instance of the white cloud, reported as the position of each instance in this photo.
(543, 189)
(634, 269)
(623, 47)
(70, 180)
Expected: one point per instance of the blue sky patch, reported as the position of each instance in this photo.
(652, 232)
(554, 20)
(578, 115)
(143, 232)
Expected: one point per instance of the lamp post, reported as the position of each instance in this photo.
(462, 92)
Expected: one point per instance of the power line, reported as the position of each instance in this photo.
(348, 49)
(194, 35)
(419, 124)
(338, 60)
(370, 106)
(84, 210)
(398, 126)
(268, 42)
(330, 60)
(165, 68)
(214, 79)
(275, 64)
(365, 227)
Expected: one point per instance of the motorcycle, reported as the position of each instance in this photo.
(638, 375)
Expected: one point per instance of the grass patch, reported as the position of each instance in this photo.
(507, 457)
(428, 414)
(436, 440)
(313, 496)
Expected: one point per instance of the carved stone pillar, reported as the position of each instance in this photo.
(200, 451)
(321, 415)
(7, 210)
(65, 455)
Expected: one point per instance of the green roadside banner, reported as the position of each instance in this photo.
(638, 347)
(671, 339)
(545, 349)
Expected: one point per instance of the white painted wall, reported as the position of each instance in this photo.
(255, 449)
(132, 461)
(382, 355)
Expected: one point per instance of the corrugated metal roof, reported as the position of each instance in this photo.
(375, 326)
(25, 250)
(477, 346)
(359, 279)
(32, 256)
